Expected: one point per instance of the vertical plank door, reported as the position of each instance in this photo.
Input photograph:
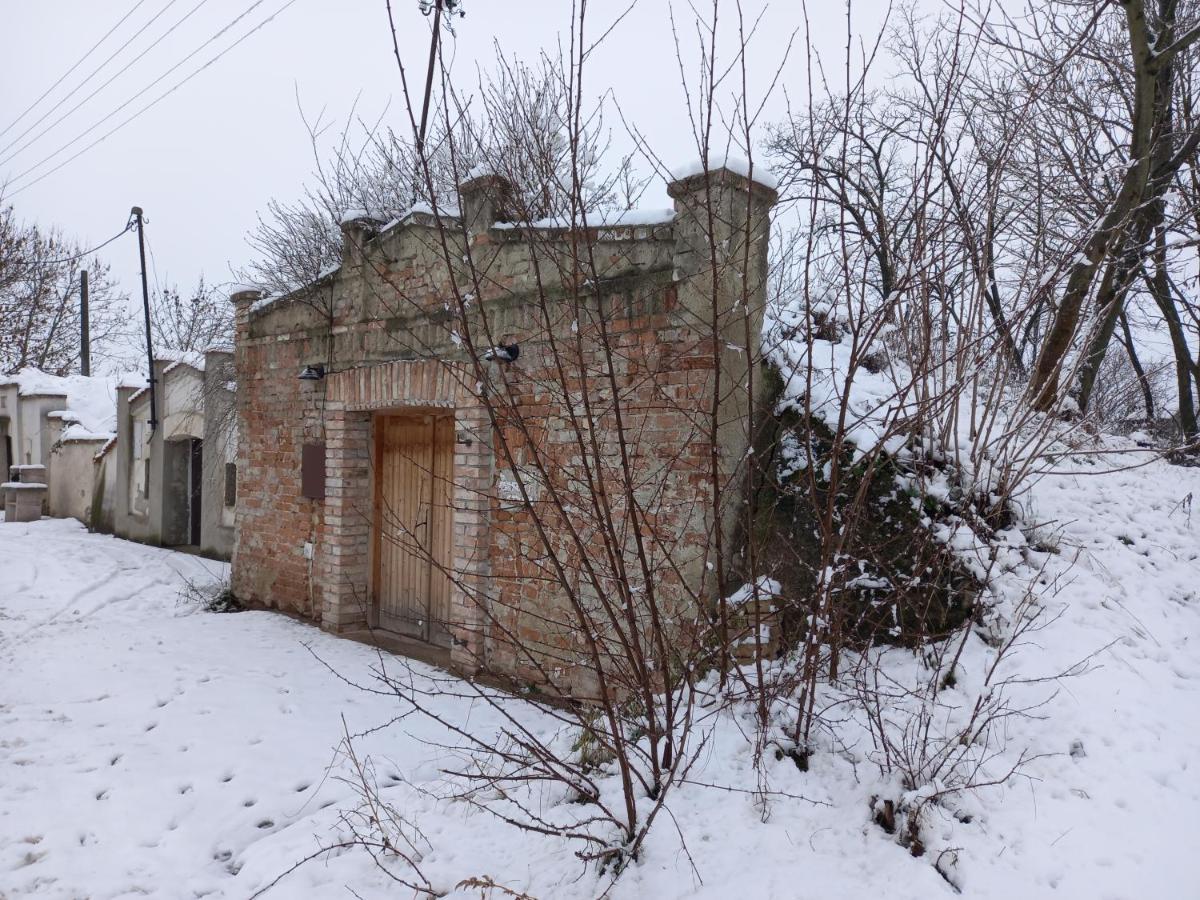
(414, 526)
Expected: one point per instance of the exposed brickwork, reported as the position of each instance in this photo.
(634, 343)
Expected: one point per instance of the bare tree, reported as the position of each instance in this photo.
(39, 300)
(192, 323)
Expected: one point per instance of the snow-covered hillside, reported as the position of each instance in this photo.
(150, 749)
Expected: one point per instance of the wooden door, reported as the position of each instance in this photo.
(414, 524)
(195, 490)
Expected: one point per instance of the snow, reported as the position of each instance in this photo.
(359, 215)
(236, 289)
(629, 218)
(91, 399)
(79, 433)
(738, 165)
(151, 749)
(422, 208)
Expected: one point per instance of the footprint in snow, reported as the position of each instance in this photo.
(249, 803)
(102, 794)
(116, 759)
(265, 823)
(185, 788)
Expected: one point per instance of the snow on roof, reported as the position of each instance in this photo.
(629, 218)
(219, 347)
(91, 399)
(736, 164)
(108, 445)
(32, 382)
(176, 358)
(359, 215)
(63, 415)
(79, 434)
(265, 302)
(243, 289)
(444, 210)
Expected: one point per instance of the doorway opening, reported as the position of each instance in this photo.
(413, 533)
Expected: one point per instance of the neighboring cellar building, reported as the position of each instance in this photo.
(175, 485)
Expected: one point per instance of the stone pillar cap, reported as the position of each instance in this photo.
(684, 178)
(241, 292)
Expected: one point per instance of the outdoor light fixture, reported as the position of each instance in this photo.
(505, 353)
(313, 373)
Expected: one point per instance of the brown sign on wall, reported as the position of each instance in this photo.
(312, 471)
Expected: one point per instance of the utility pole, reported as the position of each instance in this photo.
(136, 212)
(85, 336)
(433, 49)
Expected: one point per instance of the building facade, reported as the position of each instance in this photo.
(400, 471)
(174, 484)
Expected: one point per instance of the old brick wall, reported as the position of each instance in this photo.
(619, 333)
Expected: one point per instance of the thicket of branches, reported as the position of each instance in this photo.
(957, 247)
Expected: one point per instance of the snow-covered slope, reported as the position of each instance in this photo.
(150, 750)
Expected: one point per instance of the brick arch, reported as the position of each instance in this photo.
(344, 564)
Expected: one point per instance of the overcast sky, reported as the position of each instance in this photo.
(209, 156)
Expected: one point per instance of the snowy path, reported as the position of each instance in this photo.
(150, 750)
(145, 747)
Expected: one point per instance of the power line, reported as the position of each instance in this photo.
(77, 64)
(118, 74)
(152, 103)
(67, 259)
(71, 93)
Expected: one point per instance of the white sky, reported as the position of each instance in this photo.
(208, 157)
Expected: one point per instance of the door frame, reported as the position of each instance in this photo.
(425, 632)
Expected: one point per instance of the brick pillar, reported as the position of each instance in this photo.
(473, 475)
(485, 199)
(341, 567)
(242, 297)
(722, 233)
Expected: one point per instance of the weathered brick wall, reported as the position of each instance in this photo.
(625, 327)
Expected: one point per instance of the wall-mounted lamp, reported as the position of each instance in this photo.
(313, 373)
(504, 353)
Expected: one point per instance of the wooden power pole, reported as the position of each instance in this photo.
(137, 215)
(85, 337)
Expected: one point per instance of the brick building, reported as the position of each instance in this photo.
(425, 429)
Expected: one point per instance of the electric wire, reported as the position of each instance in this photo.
(71, 93)
(152, 103)
(119, 73)
(114, 77)
(66, 259)
(64, 75)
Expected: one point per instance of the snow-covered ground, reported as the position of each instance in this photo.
(151, 749)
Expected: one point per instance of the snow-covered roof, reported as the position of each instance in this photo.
(629, 218)
(444, 210)
(736, 164)
(177, 358)
(75, 434)
(92, 399)
(63, 415)
(108, 445)
(360, 215)
(266, 302)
